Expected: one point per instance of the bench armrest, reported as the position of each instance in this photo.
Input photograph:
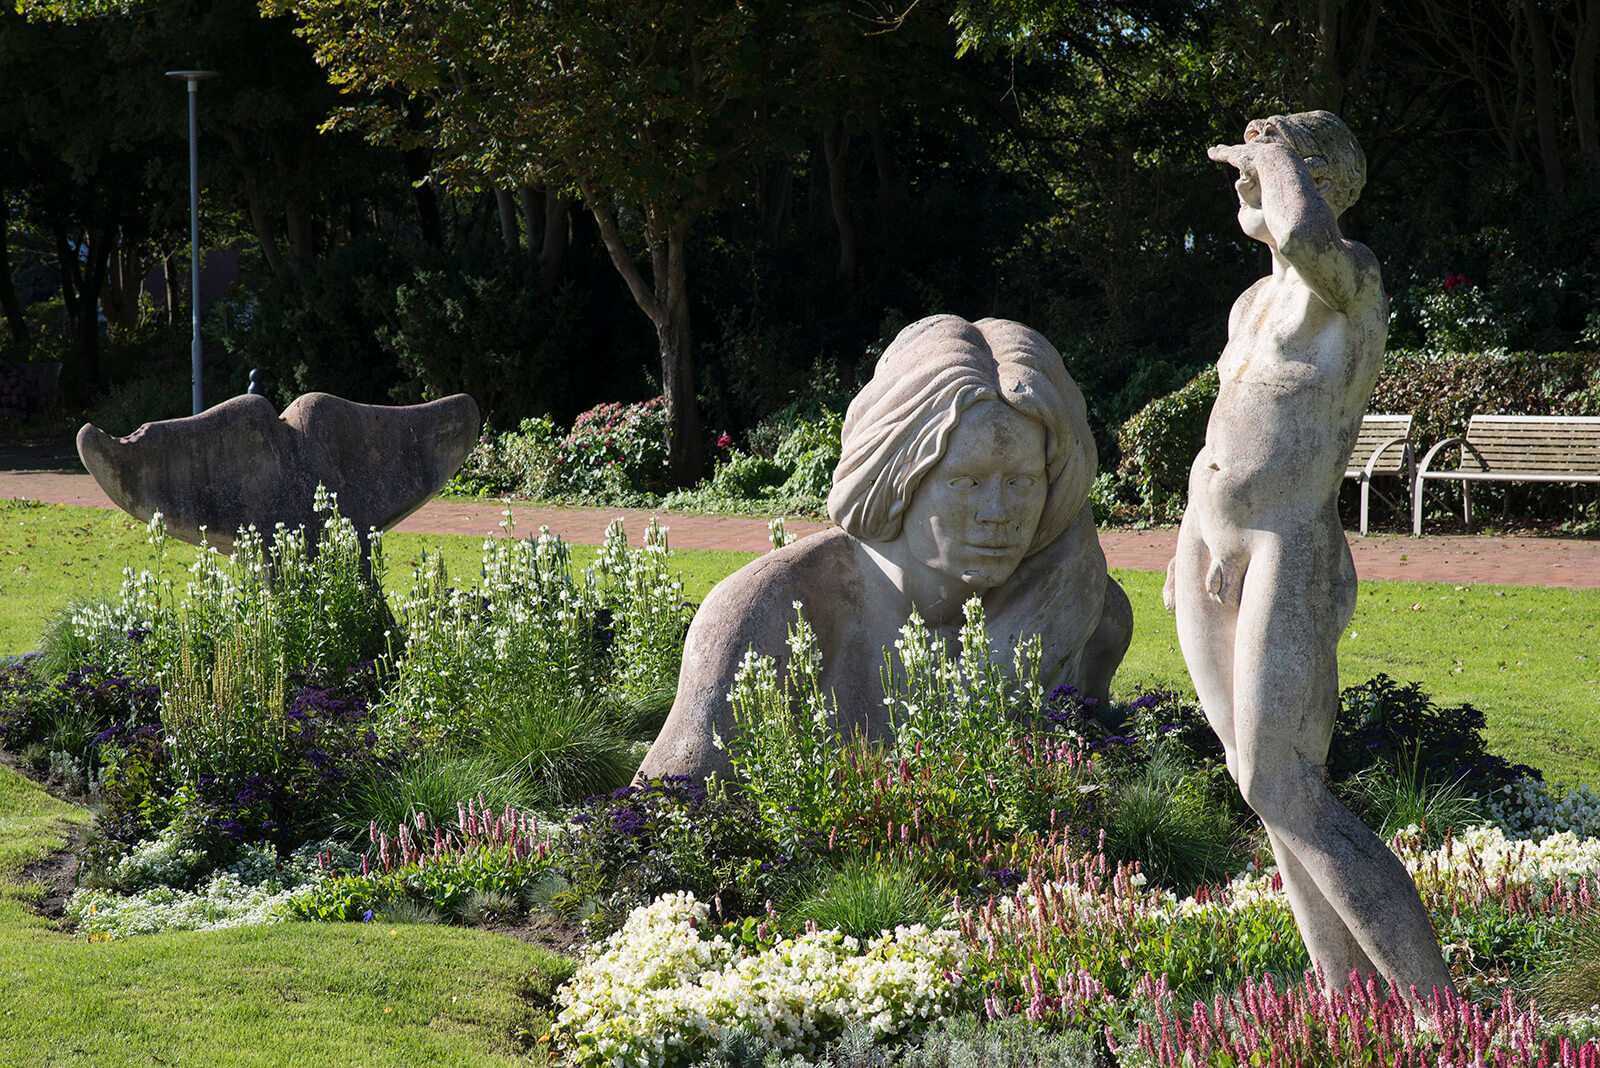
(1407, 456)
(1467, 446)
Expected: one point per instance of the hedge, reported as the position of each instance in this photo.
(1443, 391)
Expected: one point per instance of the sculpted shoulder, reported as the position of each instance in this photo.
(822, 571)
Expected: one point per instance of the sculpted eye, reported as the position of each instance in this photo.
(963, 482)
(1023, 482)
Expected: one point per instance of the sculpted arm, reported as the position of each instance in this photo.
(1303, 227)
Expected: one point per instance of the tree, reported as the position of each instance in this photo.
(655, 112)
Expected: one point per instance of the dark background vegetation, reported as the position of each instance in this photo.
(619, 196)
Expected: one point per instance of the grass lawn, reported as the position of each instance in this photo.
(281, 995)
(1528, 657)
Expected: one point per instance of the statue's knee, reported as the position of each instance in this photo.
(1279, 796)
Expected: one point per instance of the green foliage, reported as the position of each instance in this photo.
(965, 1041)
(1495, 292)
(560, 750)
(1445, 389)
(1569, 981)
(430, 784)
(809, 454)
(962, 781)
(1165, 819)
(1382, 721)
(316, 328)
(1159, 443)
(532, 633)
(521, 462)
(866, 896)
(613, 450)
(487, 857)
(480, 325)
(744, 475)
(638, 842)
(1391, 798)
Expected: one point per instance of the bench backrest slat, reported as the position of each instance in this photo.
(1375, 430)
(1551, 444)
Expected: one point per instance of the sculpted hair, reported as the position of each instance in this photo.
(898, 426)
(1327, 146)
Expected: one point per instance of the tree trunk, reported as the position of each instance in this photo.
(80, 371)
(529, 202)
(507, 209)
(676, 341)
(423, 198)
(1584, 58)
(302, 233)
(169, 275)
(1326, 90)
(124, 286)
(8, 293)
(834, 145)
(1544, 98)
(553, 251)
(889, 186)
(666, 302)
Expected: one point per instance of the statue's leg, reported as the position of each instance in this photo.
(1205, 635)
(1356, 905)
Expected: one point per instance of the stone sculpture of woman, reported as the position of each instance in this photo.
(1263, 583)
(965, 470)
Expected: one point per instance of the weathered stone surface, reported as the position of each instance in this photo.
(240, 463)
(965, 470)
(1263, 583)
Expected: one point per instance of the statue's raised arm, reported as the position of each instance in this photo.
(1297, 175)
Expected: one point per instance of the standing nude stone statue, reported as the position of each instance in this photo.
(1263, 584)
(965, 471)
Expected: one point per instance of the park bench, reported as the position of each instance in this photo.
(1383, 447)
(1514, 448)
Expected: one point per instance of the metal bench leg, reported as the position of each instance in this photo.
(1466, 504)
(1366, 485)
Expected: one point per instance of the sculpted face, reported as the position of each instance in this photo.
(974, 515)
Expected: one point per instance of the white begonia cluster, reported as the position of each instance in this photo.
(658, 992)
(1529, 808)
(1475, 853)
(1486, 852)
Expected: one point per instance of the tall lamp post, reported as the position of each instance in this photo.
(194, 78)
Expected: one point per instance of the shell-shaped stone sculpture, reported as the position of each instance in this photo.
(241, 463)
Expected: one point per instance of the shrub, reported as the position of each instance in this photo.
(518, 462)
(664, 836)
(809, 454)
(1382, 721)
(466, 321)
(1444, 390)
(1159, 443)
(743, 475)
(615, 449)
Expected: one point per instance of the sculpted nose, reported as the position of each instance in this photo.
(992, 502)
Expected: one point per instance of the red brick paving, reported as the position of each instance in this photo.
(52, 473)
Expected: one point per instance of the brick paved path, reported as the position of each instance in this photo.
(52, 473)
